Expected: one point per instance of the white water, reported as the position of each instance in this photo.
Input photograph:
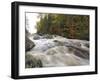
(60, 51)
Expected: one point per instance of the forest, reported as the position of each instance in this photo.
(69, 26)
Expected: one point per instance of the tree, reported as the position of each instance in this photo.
(69, 26)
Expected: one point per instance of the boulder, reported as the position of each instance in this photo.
(36, 37)
(47, 36)
(32, 62)
(28, 44)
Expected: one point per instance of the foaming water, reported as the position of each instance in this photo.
(55, 51)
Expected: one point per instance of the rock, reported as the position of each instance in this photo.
(58, 43)
(36, 37)
(47, 36)
(31, 61)
(41, 34)
(28, 44)
(87, 45)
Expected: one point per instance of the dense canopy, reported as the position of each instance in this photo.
(69, 26)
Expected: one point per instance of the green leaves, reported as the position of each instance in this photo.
(69, 26)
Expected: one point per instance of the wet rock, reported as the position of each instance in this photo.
(47, 36)
(58, 43)
(31, 61)
(87, 45)
(36, 37)
(28, 44)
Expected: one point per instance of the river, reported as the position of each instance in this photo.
(54, 50)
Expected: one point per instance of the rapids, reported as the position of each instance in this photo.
(54, 50)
